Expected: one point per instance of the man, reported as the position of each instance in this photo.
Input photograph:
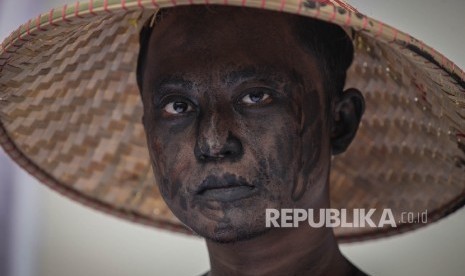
(235, 127)
(239, 118)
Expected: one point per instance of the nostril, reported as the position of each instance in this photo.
(204, 157)
(231, 150)
(226, 153)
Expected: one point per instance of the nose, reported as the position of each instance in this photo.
(216, 141)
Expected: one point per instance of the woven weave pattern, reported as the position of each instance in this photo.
(405, 156)
(69, 101)
(78, 114)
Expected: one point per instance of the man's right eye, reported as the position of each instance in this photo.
(256, 98)
(177, 107)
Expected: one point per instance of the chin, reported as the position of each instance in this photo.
(227, 222)
(229, 234)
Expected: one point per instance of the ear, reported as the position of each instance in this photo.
(347, 114)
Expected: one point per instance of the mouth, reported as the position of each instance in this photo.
(224, 188)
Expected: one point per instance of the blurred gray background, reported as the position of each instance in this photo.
(44, 234)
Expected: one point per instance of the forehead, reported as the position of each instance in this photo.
(193, 42)
(211, 24)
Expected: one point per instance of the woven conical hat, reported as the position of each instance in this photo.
(70, 113)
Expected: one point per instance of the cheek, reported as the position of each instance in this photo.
(313, 131)
(312, 148)
(292, 149)
(314, 152)
(171, 161)
(275, 144)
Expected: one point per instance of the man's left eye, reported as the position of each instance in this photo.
(256, 98)
(178, 107)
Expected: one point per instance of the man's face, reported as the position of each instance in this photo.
(235, 116)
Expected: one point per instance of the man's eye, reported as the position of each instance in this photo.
(256, 98)
(177, 107)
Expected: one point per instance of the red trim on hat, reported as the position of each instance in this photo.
(63, 13)
(19, 37)
(28, 27)
(38, 24)
(50, 18)
(283, 3)
(348, 19)
(76, 10)
(365, 23)
(300, 7)
(331, 19)
(105, 6)
(345, 5)
(380, 30)
(91, 7)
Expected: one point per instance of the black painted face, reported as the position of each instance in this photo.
(234, 113)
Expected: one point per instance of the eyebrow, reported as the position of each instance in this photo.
(173, 80)
(270, 73)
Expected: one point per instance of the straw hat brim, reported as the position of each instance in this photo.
(70, 114)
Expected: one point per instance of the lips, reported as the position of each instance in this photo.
(225, 188)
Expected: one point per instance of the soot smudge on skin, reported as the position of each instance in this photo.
(183, 202)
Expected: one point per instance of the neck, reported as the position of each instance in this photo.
(281, 251)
